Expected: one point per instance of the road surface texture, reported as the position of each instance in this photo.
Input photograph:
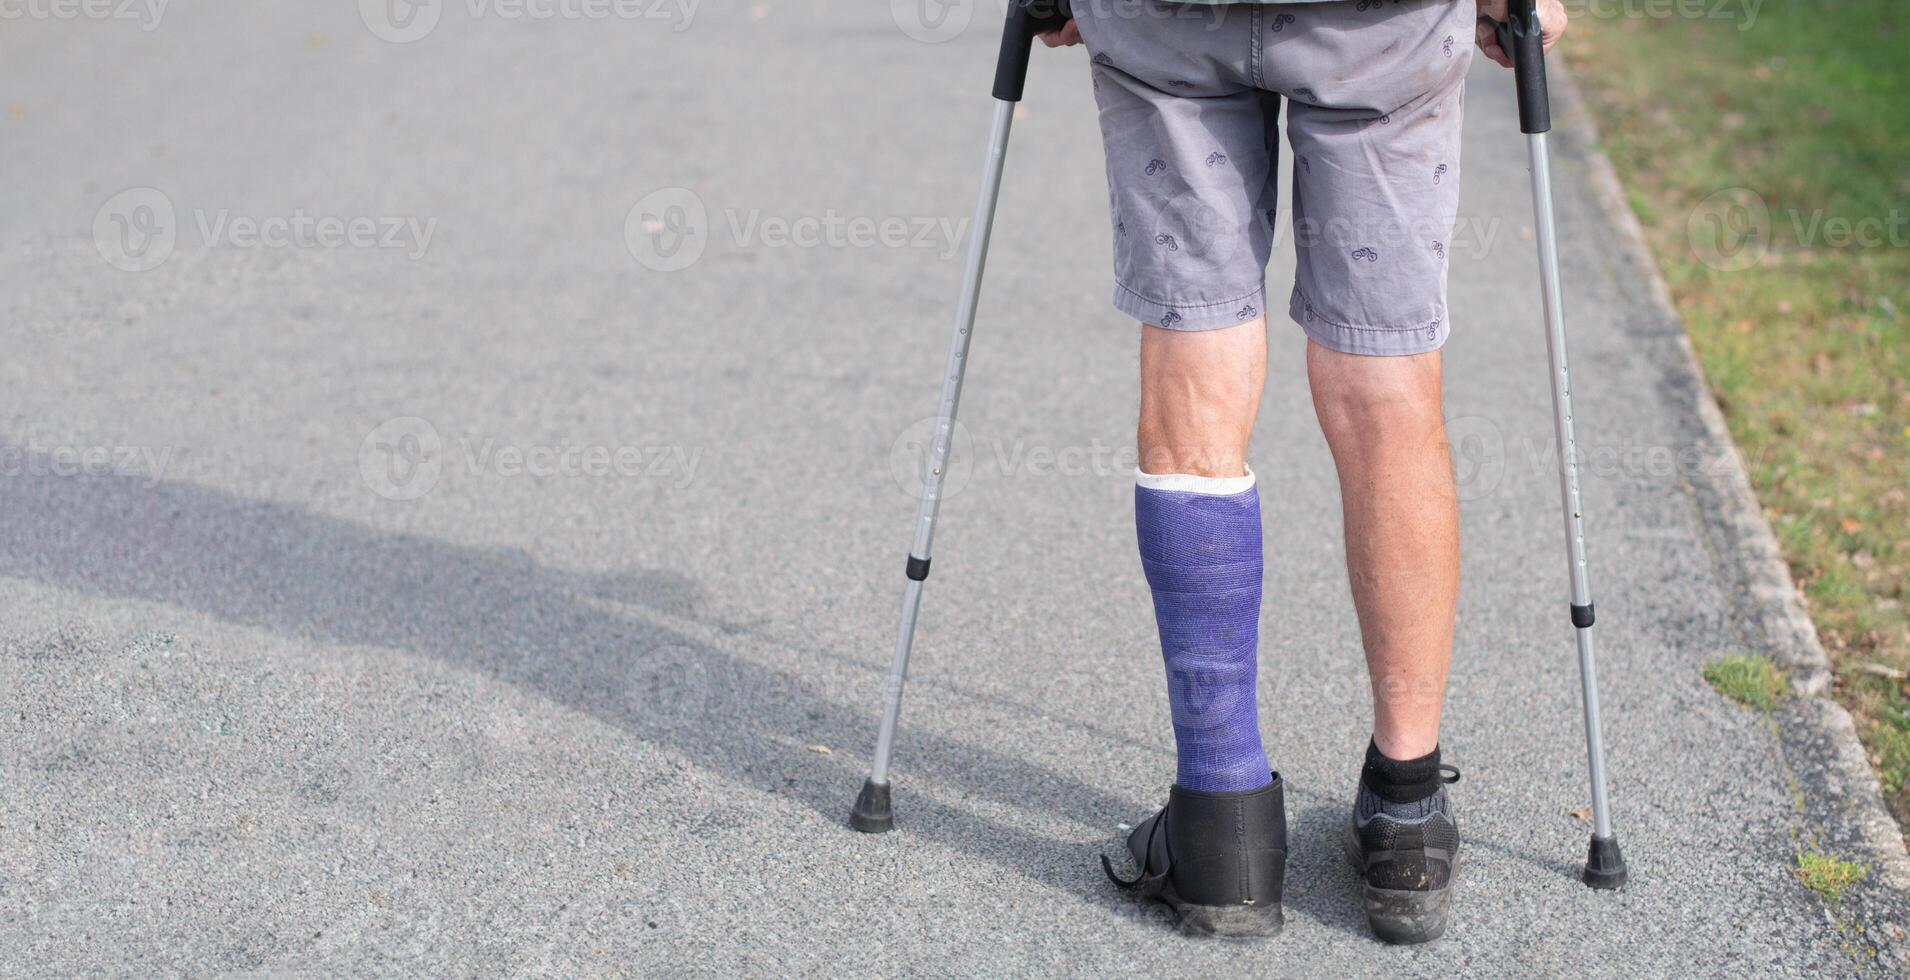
(414, 561)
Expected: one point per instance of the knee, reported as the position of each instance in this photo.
(1365, 396)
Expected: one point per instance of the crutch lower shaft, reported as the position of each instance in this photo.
(873, 811)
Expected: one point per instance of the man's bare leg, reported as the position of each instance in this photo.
(1383, 421)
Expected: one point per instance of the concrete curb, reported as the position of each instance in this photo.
(1840, 807)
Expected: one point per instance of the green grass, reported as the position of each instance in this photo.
(1804, 334)
(1828, 876)
(1749, 680)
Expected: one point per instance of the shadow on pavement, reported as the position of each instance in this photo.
(589, 642)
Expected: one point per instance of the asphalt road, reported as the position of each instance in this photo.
(412, 562)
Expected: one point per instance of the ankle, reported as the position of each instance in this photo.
(1401, 780)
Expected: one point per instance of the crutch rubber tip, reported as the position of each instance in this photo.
(872, 814)
(1605, 867)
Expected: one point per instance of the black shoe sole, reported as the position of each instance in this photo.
(1227, 922)
(1406, 917)
(1231, 922)
(1399, 916)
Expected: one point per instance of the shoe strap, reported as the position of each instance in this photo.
(1147, 852)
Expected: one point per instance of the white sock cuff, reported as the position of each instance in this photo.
(1212, 486)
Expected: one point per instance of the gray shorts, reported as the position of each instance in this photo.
(1190, 98)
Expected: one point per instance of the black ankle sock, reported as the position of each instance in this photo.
(1397, 781)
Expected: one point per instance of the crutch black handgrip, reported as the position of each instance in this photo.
(1523, 41)
(1026, 20)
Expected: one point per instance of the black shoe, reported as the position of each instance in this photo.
(1216, 859)
(1408, 865)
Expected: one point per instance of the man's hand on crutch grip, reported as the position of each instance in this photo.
(1552, 22)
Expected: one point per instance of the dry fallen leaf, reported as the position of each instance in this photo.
(819, 749)
(1583, 813)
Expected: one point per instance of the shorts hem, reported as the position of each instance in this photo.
(1191, 316)
(1423, 337)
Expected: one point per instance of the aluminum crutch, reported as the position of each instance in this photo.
(873, 812)
(1522, 40)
